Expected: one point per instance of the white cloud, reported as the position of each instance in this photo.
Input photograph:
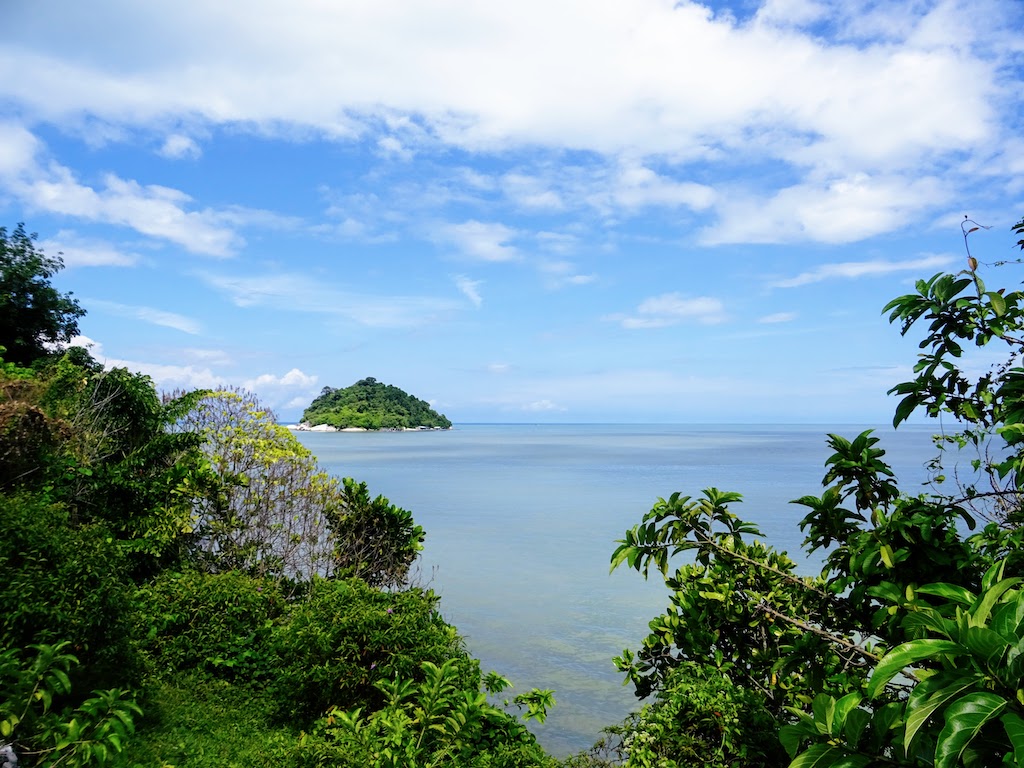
(152, 210)
(635, 186)
(148, 315)
(672, 308)
(18, 149)
(499, 368)
(606, 78)
(292, 390)
(561, 273)
(778, 317)
(841, 210)
(177, 146)
(542, 406)
(855, 269)
(78, 252)
(470, 289)
(298, 293)
(481, 241)
(169, 377)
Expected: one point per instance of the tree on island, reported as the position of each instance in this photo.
(370, 404)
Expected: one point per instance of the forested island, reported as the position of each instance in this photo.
(371, 404)
(183, 585)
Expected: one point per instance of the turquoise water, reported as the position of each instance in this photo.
(521, 521)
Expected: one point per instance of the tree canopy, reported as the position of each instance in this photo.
(33, 314)
(371, 404)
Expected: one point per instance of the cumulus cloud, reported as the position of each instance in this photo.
(840, 210)
(152, 210)
(672, 309)
(177, 146)
(480, 241)
(854, 269)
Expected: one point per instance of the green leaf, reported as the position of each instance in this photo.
(985, 644)
(903, 656)
(998, 303)
(951, 592)
(1014, 727)
(826, 755)
(930, 696)
(964, 719)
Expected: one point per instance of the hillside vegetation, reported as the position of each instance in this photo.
(371, 404)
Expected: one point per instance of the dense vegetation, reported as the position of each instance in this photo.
(183, 585)
(370, 404)
(908, 648)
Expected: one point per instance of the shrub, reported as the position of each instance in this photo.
(344, 637)
(63, 583)
(219, 623)
(702, 718)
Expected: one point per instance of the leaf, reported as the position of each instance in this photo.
(1014, 727)
(951, 592)
(906, 655)
(930, 696)
(964, 719)
(985, 644)
(826, 755)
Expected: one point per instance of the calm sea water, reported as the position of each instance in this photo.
(521, 521)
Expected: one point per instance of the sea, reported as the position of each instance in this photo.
(521, 521)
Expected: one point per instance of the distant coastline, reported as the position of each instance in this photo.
(307, 427)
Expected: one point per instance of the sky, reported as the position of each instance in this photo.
(540, 211)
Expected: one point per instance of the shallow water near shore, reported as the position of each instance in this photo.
(521, 521)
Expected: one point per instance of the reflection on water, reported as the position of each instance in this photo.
(521, 521)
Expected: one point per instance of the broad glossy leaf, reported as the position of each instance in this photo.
(930, 696)
(827, 756)
(1008, 617)
(986, 645)
(964, 719)
(903, 656)
(989, 598)
(951, 592)
(1014, 727)
(854, 727)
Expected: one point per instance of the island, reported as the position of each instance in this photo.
(370, 404)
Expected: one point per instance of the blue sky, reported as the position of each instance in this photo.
(568, 210)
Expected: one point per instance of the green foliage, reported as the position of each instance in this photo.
(433, 723)
(738, 608)
(343, 637)
(199, 721)
(963, 671)
(375, 541)
(371, 404)
(221, 624)
(700, 718)
(906, 650)
(43, 725)
(33, 314)
(63, 583)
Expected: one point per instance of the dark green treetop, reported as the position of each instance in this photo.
(372, 405)
(33, 314)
